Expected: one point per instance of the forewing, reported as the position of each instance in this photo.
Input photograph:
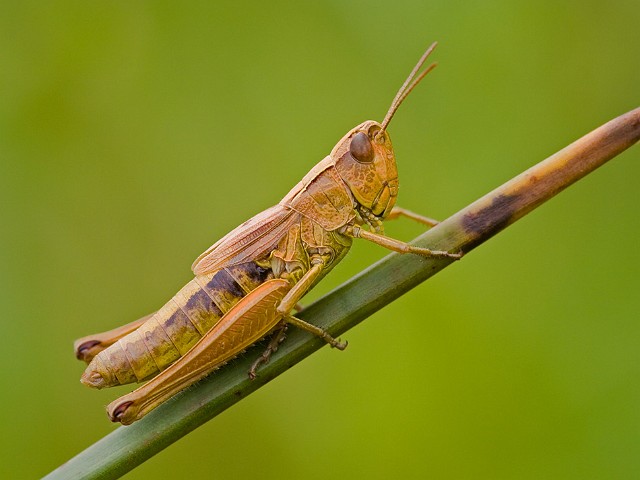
(251, 240)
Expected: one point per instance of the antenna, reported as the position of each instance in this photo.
(409, 84)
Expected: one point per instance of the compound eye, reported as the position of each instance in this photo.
(361, 148)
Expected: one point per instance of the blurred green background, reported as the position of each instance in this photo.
(132, 136)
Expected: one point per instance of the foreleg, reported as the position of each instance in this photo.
(397, 245)
(397, 212)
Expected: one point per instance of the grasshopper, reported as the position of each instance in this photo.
(247, 285)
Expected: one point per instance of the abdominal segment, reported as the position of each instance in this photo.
(175, 328)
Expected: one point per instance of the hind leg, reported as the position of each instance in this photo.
(88, 347)
(247, 322)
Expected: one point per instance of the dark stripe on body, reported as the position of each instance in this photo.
(202, 311)
(222, 289)
(249, 275)
(160, 345)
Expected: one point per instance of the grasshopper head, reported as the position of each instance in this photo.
(365, 161)
(364, 157)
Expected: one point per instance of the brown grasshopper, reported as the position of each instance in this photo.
(247, 284)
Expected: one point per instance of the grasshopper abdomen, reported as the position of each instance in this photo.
(175, 328)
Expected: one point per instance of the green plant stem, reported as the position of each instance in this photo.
(344, 307)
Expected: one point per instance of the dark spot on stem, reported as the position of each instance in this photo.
(489, 220)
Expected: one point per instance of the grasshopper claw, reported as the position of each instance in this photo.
(340, 345)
